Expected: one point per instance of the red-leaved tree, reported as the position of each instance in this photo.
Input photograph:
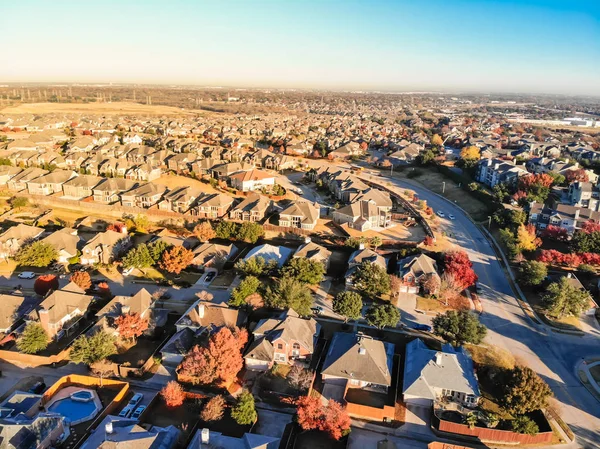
(173, 394)
(131, 325)
(577, 175)
(526, 183)
(555, 233)
(590, 226)
(176, 259)
(82, 279)
(552, 256)
(457, 263)
(332, 419)
(45, 283)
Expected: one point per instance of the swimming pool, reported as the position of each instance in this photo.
(75, 411)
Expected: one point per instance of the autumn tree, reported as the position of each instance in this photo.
(332, 419)
(337, 421)
(131, 325)
(244, 411)
(395, 285)
(536, 187)
(564, 299)
(590, 226)
(471, 153)
(431, 284)
(204, 231)
(459, 327)
(450, 288)
(33, 339)
(436, 140)
(527, 239)
(348, 304)
(458, 264)
(305, 270)
(82, 279)
(371, 279)
(45, 283)
(38, 254)
(576, 175)
(523, 391)
(300, 378)
(214, 409)
(173, 394)
(176, 259)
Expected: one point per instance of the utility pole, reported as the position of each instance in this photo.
(443, 187)
(489, 222)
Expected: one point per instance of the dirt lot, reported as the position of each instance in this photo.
(434, 182)
(100, 108)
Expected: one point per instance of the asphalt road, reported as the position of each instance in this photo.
(553, 356)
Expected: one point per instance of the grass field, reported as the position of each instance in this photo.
(99, 108)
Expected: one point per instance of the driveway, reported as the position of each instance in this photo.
(272, 424)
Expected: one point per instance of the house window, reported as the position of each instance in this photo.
(279, 346)
(296, 349)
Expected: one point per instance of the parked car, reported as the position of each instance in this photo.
(126, 412)
(441, 214)
(127, 271)
(27, 275)
(138, 412)
(318, 310)
(209, 277)
(136, 399)
(422, 327)
(38, 388)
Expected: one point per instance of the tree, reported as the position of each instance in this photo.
(138, 257)
(38, 254)
(509, 241)
(204, 231)
(425, 157)
(576, 175)
(289, 293)
(199, 366)
(90, 350)
(536, 187)
(82, 279)
(250, 232)
(18, 202)
(449, 289)
(157, 248)
(226, 230)
(431, 284)
(375, 242)
(304, 270)
(33, 339)
(471, 153)
(141, 223)
(45, 283)
(586, 242)
(131, 325)
(564, 299)
(523, 391)
(555, 233)
(532, 272)
(524, 424)
(300, 378)
(371, 279)
(471, 420)
(173, 394)
(176, 259)
(254, 266)
(527, 239)
(244, 412)
(246, 287)
(590, 226)
(383, 315)
(458, 264)
(459, 327)
(214, 409)
(348, 304)
(332, 418)
(395, 285)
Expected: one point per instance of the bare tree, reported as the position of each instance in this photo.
(450, 288)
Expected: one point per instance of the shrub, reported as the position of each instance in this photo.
(33, 339)
(244, 411)
(524, 424)
(213, 410)
(173, 394)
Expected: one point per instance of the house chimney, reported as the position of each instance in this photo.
(307, 240)
(125, 309)
(44, 320)
(361, 245)
(438, 358)
(569, 275)
(362, 351)
(201, 310)
(205, 436)
(577, 214)
(108, 427)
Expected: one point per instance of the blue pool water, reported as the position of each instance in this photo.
(82, 395)
(73, 410)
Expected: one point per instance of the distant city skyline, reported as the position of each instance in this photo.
(520, 46)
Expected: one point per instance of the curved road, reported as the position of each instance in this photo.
(553, 356)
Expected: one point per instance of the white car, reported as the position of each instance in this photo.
(27, 275)
(451, 217)
(127, 271)
(441, 214)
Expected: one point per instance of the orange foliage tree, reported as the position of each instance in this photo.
(173, 394)
(332, 419)
(131, 325)
(82, 279)
(176, 259)
(45, 283)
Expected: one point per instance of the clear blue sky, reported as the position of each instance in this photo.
(454, 45)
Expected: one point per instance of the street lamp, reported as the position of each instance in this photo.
(489, 222)
(443, 187)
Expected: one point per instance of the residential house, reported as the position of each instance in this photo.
(109, 190)
(584, 195)
(363, 255)
(414, 270)
(357, 361)
(287, 339)
(253, 208)
(249, 181)
(180, 200)
(212, 205)
(14, 237)
(300, 214)
(361, 215)
(212, 256)
(431, 375)
(7, 172)
(50, 183)
(80, 187)
(145, 196)
(279, 254)
(311, 251)
(224, 171)
(494, 171)
(61, 310)
(181, 162)
(66, 242)
(346, 151)
(206, 316)
(562, 216)
(143, 172)
(208, 439)
(43, 431)
(104, 247)
(12, 309)
(18, 183)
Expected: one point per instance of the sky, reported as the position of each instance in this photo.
(533, 46)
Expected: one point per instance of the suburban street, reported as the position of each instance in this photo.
(553, 356)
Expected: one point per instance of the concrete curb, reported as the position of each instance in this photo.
(585, 368)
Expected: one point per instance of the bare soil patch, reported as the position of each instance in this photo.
(98, 108)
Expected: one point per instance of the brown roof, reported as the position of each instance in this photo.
(204, 313)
